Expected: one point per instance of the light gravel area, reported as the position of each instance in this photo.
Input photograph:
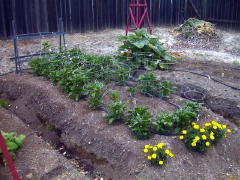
(105, 42)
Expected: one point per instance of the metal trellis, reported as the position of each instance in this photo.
(21, 59)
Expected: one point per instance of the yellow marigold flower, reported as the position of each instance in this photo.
(184, 131)
(229, 130)
(212, 133)
(171, 155)
(204, 137)
(215, 127)
(167, 151)
(213, 122)
(160, 145)
(193, 144)
(146, 146)
(208, 144)
(161, 162)
(202, 130)
(196, 126)
(193, 123)
(149, 157)
(145, 150)
(197, 137)
(155, 148)
(154, 156)
(224, 126)
(212, 137)
(207, 124)
(181, 137)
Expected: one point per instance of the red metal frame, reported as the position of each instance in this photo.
(138, 14)
(8, 158)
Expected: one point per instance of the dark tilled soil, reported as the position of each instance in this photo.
(206, 80)
(36, 160)
(110, 148)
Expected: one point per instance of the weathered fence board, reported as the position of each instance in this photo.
(85, 15)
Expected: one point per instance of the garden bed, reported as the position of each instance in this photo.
(37, 159)
(110, 149)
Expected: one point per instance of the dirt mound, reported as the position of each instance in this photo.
(36, 160)
(198, 32)
(111, 149)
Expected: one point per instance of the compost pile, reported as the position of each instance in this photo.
(199, 32)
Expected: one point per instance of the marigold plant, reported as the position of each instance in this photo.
(157, 154)
(201, 138)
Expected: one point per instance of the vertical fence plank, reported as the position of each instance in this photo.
(84, 15)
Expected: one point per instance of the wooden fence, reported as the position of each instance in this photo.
(84, 15)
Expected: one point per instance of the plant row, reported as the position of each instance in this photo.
(83, 76)
(142, 123)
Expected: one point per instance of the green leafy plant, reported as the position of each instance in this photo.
(115, 109)
(121, 75)
(4, 104)
(13, 143)
(95, 93)
(142, 42)
(201, 138)
(149, 85)
(157, 154)
(174, 122)
(139, 121)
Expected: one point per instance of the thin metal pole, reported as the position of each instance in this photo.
(17, 65)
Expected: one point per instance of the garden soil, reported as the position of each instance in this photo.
(37, 160)
(110, 149)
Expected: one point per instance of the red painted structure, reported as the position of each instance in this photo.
(8, 158)
(138, 15)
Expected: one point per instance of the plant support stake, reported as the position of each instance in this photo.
(8, 158)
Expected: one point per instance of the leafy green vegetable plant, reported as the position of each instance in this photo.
(174, 122)
(13, 143)
(141, 41)
(95, 93)
(4, 104)
(116, 109)
(139, 121)
(149, 85)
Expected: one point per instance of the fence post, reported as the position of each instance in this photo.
(185, 9)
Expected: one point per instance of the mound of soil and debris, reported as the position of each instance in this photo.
(198, 31)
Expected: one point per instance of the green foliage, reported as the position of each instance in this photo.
(51, 127)
(178, 120)
(139, 121)
(95, 93)
(4, 104)
(142, 42)
(13, 143)
(115, 96)
(149, 85)
(116, 109)
(121, 75)
(201, 138)
(73, 71)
